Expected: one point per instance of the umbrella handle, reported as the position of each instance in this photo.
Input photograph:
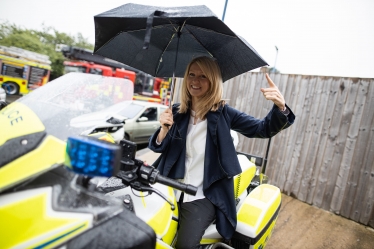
(171, 96)
(172, 91)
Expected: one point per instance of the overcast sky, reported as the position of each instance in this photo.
(316, 37)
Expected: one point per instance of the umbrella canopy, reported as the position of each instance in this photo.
(161, 41)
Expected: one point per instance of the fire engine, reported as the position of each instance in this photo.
(22, 70)
(146, 87)
(92, 68)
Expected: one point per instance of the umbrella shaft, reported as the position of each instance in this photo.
(175, 66)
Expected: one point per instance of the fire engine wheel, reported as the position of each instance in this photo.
(11, 88)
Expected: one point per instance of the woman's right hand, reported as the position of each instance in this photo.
(166, 119)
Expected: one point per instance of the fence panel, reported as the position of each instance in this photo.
(327, 157)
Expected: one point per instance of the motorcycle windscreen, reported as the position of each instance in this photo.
(72, 95)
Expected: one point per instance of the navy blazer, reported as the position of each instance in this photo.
(221, 162)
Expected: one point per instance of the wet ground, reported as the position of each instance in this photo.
(301, 225)
(11, 98)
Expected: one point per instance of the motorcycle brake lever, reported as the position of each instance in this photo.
(141, 187)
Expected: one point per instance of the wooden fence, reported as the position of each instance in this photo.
(326, 158)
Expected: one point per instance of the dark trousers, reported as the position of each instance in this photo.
(194, 219)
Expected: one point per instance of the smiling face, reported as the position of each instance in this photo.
(197, 82)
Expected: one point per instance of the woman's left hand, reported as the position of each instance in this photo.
(272, 93)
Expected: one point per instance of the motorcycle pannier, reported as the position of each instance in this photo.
(256, 217)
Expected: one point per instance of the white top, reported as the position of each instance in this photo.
(195, 154)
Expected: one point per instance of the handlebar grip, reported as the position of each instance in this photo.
(187, 188)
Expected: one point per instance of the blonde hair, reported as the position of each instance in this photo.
(212, 99)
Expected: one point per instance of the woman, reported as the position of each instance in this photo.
(197, 148)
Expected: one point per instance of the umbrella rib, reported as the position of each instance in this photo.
(173, 24)
(176, 31)
(183, 24)
(173, 28)
(162, 54)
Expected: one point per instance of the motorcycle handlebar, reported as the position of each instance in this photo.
(187, 188)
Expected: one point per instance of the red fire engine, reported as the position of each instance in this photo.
(146, 87)
(92, 68)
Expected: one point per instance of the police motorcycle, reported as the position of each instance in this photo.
(57, 188)
(42, 202)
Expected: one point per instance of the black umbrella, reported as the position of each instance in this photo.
(161, 41)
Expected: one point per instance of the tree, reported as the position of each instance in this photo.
(43, 42)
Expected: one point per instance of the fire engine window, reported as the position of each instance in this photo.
(13, 70)
(97, 71)
(37, 74)
(69, 69)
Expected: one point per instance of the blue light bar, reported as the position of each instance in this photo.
(92, 157)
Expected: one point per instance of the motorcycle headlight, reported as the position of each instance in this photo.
(92, 157)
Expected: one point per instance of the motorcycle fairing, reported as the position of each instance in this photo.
(208, 241)
(109, 220)
(21, 131)
(48, 155)
(160, 244)
(169, 237)
(16, 147)
(46, 152)
(257, 215)
(164, 213)
(151, 208)
(18, 120)
(242, 181)
(34, 222)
